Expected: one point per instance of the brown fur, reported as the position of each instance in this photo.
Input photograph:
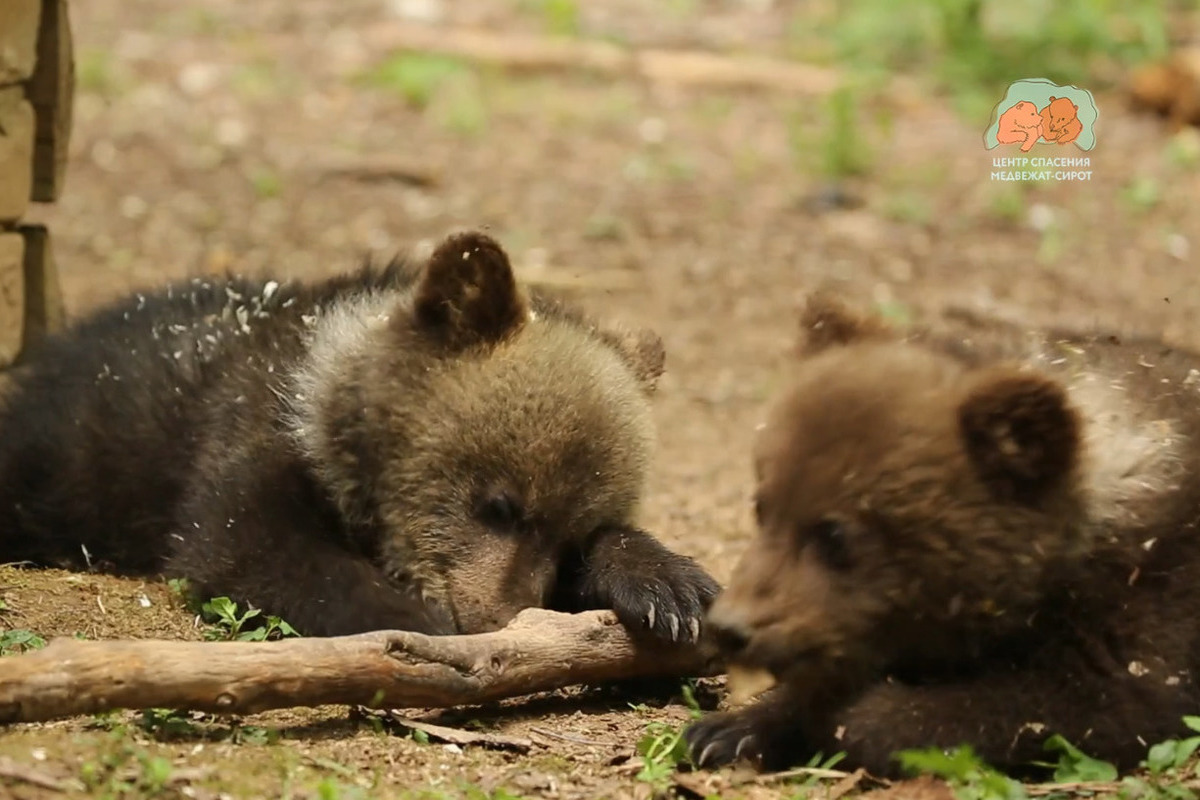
(959, 546)
(431, 449)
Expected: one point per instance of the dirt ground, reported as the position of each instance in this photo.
(208, 135)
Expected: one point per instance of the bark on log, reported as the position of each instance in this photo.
(52, 93)
(16, 152)
(44, 310)
(539, 651)
(12, 296)
(18, 39)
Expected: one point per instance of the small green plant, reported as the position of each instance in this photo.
(1183, 149)
(1074, 766)
(126, 771)
(330, 789)
(266, 183)
(1142, 194)
(844, 151)
(415, 76)
(662, 748)
(95, 73)
(819, 765)
(968, 776)
(1167, 757)
(228, 623)
(688, 690)
(461, 107)
(1008, 204)
(895, 311)
(559, 17)
(909, 207)
(19, 640)
(167, 723)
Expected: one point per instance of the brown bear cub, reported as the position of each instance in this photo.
(980, 543)
(424, 449)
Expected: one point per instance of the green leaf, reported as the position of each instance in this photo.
(1075, 766)
(1161, 756)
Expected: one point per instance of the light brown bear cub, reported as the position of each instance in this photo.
(967, 545)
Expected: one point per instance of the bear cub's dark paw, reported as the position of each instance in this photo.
(721, 738)
(766, 734)
(652, 590)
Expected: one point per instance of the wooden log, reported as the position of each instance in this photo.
(12, 297)
(52, 93)
(44, 312)
(516, 51)
(18, 39)
(16, 153)
(539, 651)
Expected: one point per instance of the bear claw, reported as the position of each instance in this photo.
(722, 738)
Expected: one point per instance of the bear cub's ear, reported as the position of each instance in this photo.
(468, 295)
(827, 322)
(1021, 433)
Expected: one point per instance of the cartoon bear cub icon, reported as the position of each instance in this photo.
(1060, 121)
(1020, 124)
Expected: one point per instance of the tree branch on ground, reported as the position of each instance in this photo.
(539, 651)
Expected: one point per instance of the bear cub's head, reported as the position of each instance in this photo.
(476, 435)
(910, 506)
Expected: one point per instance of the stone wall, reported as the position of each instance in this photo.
(37, 78)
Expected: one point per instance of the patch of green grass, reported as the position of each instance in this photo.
(967, 775)
(604, 228)
(416, 77)
(662, 749)
(1183, 149)
(228, 622)
(1075, 766)
(19, 640)
(1052, 244)
(1164, 772)
(166, 724)
(126, 770)
(95, 72)
(257, 80)
(840, 149)
(896, 312)
(1142, 194)
(1008, 203)
(331, 789)
(267, 183)
(909, 207)
(558, 17)
(975, 48)
(461, 108)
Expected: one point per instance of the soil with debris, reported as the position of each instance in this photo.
(252, 136)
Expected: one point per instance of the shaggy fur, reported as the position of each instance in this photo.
(430, 450)
(978, 542)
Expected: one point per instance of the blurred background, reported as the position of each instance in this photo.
(695, 165)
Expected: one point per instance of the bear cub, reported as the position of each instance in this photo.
(966, 542)
(430, 449)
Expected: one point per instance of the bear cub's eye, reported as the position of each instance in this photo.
(500, 510)
(829, 537)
